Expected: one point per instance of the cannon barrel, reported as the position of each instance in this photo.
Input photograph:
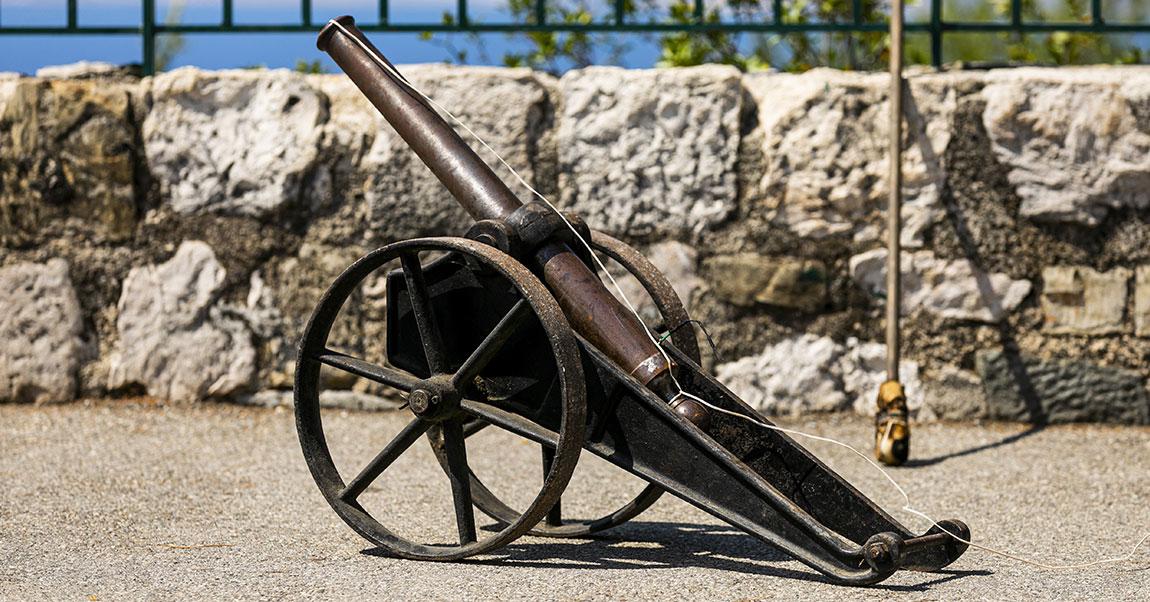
(466, 176)
(590, 308)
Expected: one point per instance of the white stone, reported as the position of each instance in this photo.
(8, 82)
(864, 369)
(41, 326)
(79, 69)
(809, 373)
(790, 378)
(948, 288)
(1142, 301)
(824, 136)
(1080, 300)
(507, 108)
(174, 337)
(238, 142)
(650, 153)
(1073, 140)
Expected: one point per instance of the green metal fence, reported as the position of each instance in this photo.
(936, 27)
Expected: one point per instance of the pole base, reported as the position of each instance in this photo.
(892, 425)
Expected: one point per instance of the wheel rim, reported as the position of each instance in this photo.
(447, 414)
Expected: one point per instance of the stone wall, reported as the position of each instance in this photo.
(169, 236)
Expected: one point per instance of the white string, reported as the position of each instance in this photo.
(907, 507)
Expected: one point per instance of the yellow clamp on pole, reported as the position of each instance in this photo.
(892, 425)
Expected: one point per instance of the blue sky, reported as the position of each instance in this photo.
(27, 53)
(214, 51)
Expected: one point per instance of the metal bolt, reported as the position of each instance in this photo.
(419, 401)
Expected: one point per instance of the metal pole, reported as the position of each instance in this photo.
(894, 201)
(892, 422)
(148, 33)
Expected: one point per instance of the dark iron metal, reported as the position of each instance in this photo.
(590, 308)
(672, 314)
(439, 375)
(462, 346)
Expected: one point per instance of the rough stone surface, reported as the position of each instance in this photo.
(809, 373)
(792, 377)
(1079, 300)
(678, 262)
(864, 369)
(238, 142)
(175, 340)
(952, 289)
(748, 278)
(41, 328)
(1025, 388)
(510, 109)
(647, 153)
(706, 171)
(85, 69)
(68, 152)
(1076, 141)
(955, 394)
(1142, 301)
(824, 139)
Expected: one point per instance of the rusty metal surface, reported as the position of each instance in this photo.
(592, 311)
(673, 314)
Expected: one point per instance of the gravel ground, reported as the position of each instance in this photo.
(126, 500)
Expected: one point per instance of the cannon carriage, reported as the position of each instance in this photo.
(511, 327)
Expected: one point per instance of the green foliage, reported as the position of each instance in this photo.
(170, 45)
(749, 51)
(312, 67)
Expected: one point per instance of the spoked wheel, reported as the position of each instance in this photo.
(674, 318)
(442, 391)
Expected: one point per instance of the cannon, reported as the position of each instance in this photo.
(511, 327)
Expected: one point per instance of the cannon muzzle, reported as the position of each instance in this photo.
(466, 176)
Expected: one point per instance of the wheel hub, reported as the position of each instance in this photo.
(434, 399)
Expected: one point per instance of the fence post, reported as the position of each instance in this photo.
(148, 33)
(936, 33)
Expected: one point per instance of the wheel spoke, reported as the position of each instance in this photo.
(474, 426)
(368, 370)
(424, 316)
(384, 458)
(460, 477)
(555, 515)
(510, 422)
(491, 345)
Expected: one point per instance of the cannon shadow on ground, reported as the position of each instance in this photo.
(665, 545)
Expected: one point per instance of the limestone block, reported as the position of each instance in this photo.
(824, 143)
(41, 326)
(1075, 141)
(650, 153)
(175, 339)
(678, 262)
(235, 142)
(748, 278)
(68, 149)
(1028, 389)
(790, 378)
(86, 69)
(954, 394)
(1142, 301)
(508, 108)
(953, 288)
(809, 373)
(1079, 300)
(864, 369)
